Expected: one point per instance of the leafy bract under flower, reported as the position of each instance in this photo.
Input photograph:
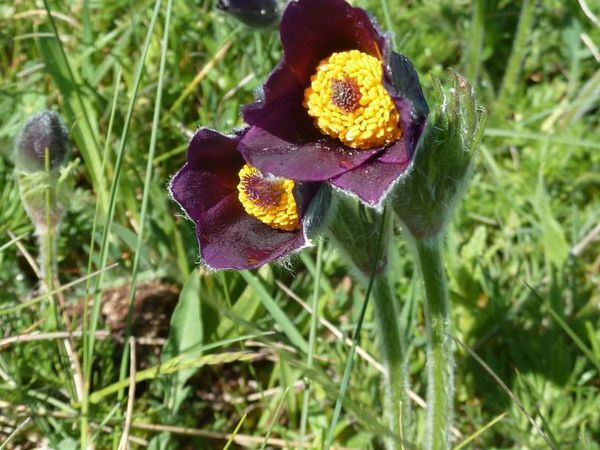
(243, 218)
(341, 106)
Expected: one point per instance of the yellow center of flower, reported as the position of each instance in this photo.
(347, 100)
(268, 199)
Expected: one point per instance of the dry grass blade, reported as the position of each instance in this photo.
(123, 445)
(488, 425)
(30, 259)
(587, 240)
(240, 439)
(15, 433)
(62, 288)
(43, 13)
(199, 77)
(12, 241)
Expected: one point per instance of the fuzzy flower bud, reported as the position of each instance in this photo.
(42, 131)
(44, 188)
(355, 231)
(443, 163)
(254, 13)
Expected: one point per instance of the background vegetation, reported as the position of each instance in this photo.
(523, 263)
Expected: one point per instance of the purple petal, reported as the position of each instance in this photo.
(210, 174)
(231, 239)
(206, 188)
(401, 81)
(197, 191)
(371, 182)
(215, 153)
(316, 160)
(400, 152)
(313, 29)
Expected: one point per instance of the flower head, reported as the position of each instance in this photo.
(244, 218)
(42, 132)
(42, 168)
(254, 13)
(341, 105)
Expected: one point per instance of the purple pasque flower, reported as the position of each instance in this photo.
(244, 219)
(341, 105)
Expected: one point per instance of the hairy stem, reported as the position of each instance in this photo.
(440, 359)
(390, 343)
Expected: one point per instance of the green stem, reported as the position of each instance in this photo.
(387, 320)
(440, 359)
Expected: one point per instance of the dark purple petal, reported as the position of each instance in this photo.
(212, 152)
(283, 139)
(197, 191)
(314, 160)
(231, 239)
(401, 81)
(372, 181)
(312, 30)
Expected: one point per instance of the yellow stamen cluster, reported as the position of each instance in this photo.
(347, 100)
(268, 199)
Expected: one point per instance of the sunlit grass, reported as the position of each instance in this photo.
(243, 363)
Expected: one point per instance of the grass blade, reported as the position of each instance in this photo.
(280, 317)
(311, 341)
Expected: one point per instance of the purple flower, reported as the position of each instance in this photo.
(341, 105)
(244, 219)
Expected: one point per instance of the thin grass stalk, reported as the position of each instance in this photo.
(388, 19)
(311, 342)
(85, 315)
(145, 195)
(111, 213)
(440, 359)
(94, 172)
(513, 67)
(473, 62)
(83, 424)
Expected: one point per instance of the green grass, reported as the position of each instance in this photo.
(523, 301)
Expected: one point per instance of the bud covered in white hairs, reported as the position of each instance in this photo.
(443, 163)
(42, 132)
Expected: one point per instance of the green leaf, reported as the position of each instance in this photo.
(185, 336)
(556, 248)
(80, 110)
(280, 317)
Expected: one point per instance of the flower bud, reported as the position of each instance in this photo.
(42, 131)
(254, 13)
(355, 230)
(43, 192)
(443, 163)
